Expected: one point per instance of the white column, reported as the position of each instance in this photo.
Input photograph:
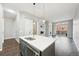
(1, 27)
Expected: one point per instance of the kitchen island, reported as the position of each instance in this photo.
(37, 45)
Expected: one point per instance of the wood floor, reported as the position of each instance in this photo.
(10, 48)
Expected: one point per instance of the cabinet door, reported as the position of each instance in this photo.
(23, 48)
(25, 26)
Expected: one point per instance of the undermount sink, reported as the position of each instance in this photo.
(29, 38)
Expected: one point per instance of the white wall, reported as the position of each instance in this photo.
(76, 29)
(10, 28)
(1, 27)
(76, 33)
(20, 26)
(70, 29)
(48, 28)
(24, 25)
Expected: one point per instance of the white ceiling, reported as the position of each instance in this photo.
(9, 13)
(52, 11)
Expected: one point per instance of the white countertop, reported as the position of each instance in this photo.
(41, 42)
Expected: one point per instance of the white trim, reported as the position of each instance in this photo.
(65, 19)
(76, 45)
(17, 39)
(6, 38)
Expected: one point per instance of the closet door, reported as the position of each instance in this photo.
(28, 26)
(25, 26)
(1, 27)
(21, 26)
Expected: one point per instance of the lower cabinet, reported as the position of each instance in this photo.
(26, 50)
(23, 48)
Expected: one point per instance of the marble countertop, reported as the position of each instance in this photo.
(40, 42)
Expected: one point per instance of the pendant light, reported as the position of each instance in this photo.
(34, 4)
(34, 13)
(44, 17)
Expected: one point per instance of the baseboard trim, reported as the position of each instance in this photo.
(76, 45)
(9, 38)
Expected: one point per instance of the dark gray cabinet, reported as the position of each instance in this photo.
(25, 50)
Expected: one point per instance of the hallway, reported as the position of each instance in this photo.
(65, 47)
